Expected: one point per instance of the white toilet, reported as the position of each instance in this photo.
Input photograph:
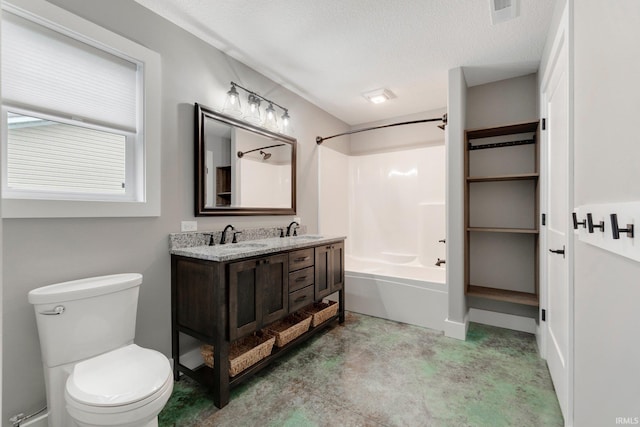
(94, 374)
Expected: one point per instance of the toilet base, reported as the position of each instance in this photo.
(152, 423)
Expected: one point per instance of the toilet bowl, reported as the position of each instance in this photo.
(126, 387)
(94, 374)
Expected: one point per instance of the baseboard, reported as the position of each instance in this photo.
(503, 320)
(39, 421)
(457, 330)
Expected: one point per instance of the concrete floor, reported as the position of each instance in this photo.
(375, 372)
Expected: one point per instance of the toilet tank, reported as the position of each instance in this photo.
(98, 315)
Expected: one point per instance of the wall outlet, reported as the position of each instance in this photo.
(189, 226)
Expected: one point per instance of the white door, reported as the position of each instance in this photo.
(555, 95)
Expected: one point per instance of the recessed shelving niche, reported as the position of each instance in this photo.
(501, 213)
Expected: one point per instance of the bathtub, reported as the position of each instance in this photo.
(409, 293)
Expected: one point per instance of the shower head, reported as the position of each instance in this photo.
(265, 154)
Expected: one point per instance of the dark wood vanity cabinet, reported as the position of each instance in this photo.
(258, 293)
(220, 302)
(329, 269)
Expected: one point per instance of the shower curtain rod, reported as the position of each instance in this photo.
(240, 153)
(320, 140)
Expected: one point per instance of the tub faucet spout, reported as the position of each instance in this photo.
(440, 262)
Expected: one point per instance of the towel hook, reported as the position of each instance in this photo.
(616, 230)
(583, 223)
(591, 226)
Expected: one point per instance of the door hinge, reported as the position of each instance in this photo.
(543, 315)
(544, 124)
(544, 219)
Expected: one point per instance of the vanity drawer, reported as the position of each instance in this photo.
(301, 259)
(301, 278)
(300, 298)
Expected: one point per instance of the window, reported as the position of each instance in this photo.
(80, 113)
(48, 158)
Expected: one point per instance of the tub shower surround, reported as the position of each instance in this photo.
(226, 295)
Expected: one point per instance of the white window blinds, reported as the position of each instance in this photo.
(48, 71)
(48, 156)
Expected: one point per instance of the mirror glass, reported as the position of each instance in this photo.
(242, 169)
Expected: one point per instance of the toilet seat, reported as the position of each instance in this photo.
(118, 378)
(124, 387)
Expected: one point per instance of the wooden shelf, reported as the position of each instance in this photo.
(204, 374)
(515, 177)
(502, 130)
(504, 230)
(503, 295)
(507, 201)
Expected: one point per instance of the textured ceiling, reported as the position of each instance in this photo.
(331, 51)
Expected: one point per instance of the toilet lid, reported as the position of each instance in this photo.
(119, 377)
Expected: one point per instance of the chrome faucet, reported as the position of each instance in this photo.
(223, 238)
(295, 226)
(440, 262)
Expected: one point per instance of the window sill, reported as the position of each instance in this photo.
(24, 208)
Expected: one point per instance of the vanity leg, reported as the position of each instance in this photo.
(221, 374)
(175, 354)
(175, 335)
(341, 306)
(221, 344)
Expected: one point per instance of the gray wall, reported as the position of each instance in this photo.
(398, 137)
(38, 252)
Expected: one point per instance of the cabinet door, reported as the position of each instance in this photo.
(337, 267)
(329, 269)
(245, 298)
(274, 272)
(323, 271)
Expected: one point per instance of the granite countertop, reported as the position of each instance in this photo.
(251, 248)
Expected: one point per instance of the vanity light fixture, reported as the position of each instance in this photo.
(232, 105)
(270, 118)
(379, 96)
(253, 113)
(286, 122)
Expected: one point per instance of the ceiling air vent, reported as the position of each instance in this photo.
(503, 10)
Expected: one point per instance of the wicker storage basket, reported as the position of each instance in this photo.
(290, 328)
(321, 311)
(243, 353)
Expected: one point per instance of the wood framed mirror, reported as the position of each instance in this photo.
(242, 169)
